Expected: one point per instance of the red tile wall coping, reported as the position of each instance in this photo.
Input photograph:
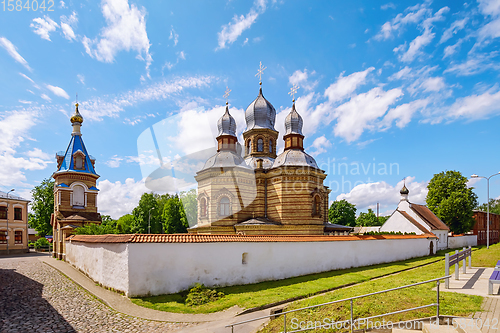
(210, 238)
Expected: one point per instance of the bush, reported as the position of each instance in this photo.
(42, 242)
(200, 294)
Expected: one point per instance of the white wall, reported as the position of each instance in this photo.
(456, 242)
(443, 238)
(164, 268)
(398, 223)
(105, 263)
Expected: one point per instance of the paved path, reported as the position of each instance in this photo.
(489, 318)
(34, 297)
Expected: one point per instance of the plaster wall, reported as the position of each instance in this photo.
(397, 222)
(456, 242)
(105, 263)
(163, 268)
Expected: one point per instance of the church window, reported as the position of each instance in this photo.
(294, 141)
(249, 146)
(78, 196)
(79, 162)
(3, 213)
(225, 206)
(18, 213)
(18, 237)
(270, 146)
(316, 209)
(203, 207)
(260, 145)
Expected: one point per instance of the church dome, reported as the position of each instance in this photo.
(260, 113)
(226, 124)
(293, 122)
(404, 190)
(295, 157)
(76, 117)
(225, 159)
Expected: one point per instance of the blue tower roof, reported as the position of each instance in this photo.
(76, 145)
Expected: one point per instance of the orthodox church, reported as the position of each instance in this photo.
(257, 192)
(75, 192)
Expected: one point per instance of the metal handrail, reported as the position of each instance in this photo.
(351, 301)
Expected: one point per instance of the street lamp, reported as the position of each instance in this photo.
(8, 220)
(149, 221)
(488, 205)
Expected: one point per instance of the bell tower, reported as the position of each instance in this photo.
(75, 191)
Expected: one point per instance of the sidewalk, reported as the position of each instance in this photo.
(213, 322)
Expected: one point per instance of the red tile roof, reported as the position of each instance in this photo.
(207, 238)
(428, 216)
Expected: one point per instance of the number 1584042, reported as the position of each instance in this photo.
(27, 5)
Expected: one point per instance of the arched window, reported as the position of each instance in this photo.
(249, 146)
(79, 196)
(270, 146)
(316, 208)
(79, 162)
(203, 207)
(225, 207)
(260, 145)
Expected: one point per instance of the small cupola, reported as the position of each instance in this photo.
(294, 139)
(404, 192)
(226, 138)
(76, 121)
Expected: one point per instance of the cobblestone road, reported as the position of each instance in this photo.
(34, 297)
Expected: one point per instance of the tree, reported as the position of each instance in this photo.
(174, 217)
(95, 229)
(190, 205)
(42, 206)
(147, 205)
(368, 219)
(124, 224)
(342, 212)
(451, 200)
(494, 206)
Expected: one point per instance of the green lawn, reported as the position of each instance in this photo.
(260, 294)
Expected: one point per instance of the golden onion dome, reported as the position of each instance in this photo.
(76, 117)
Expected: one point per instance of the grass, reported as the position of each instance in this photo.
(261, 294)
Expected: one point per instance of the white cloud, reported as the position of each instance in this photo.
(117, 199)
(433, 84)
(81, 78)
(401, 74)
(67, 26)
(452, 49)
(300, 78)
(44, 26)
(231, 31)
(475, 63)
(367, 195)
(345, 86)
(360, 113)
(413, 15)
(489, 7)
(321, 144)
(114, 162)
(58, 91)
(387, 6)
(402, 114)
(453, 29)
(97, 107)
(45, 97)
(174, 36)
(476, 106)
(125, 30)
(12, 50)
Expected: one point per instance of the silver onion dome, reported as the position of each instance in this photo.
(295, 157)
(260, 113)
(293, 122)
(226, 124)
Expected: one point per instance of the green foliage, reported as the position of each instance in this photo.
(451, 200)
(41, 242)
(368, 219)
(107, 220)
(42, 207)
(147, 209)
(378, 233)
(190, 204)
(342, 212)
(382, 219)
(494, 206)
(200, 294)
(95, 229)
(124, 224)
(174, 217)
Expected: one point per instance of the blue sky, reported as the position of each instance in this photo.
(408, 86)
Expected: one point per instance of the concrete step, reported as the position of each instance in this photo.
(466, 325)
(433, 328)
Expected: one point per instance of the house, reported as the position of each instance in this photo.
(13, 224)
(480, 227)
(410, 217)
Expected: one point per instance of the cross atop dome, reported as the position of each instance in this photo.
(226, 95)
(260, 72)
(293, 91)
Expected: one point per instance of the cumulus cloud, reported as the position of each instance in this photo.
(300, 78)
(476, 106)
(125, 31)
(320, 144)
(117, 199)
(345, 86)
(367, 195)
(67, 26)
(12, 50)
(402, 114)
(58, 91)
(231, 31)
(44, 26)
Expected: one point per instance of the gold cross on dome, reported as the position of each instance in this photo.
(260, 72)
(226, 95)
(293, 91)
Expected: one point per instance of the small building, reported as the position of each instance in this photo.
(480, 228)
(13, 224)
(334, 229)
(410, 217)
(32, 235)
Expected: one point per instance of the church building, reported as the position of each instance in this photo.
(257, 192)
(75, 191)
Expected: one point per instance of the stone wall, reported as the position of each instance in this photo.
(456, 242)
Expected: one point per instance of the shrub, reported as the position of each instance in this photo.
(200, 294)
(41, 242)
